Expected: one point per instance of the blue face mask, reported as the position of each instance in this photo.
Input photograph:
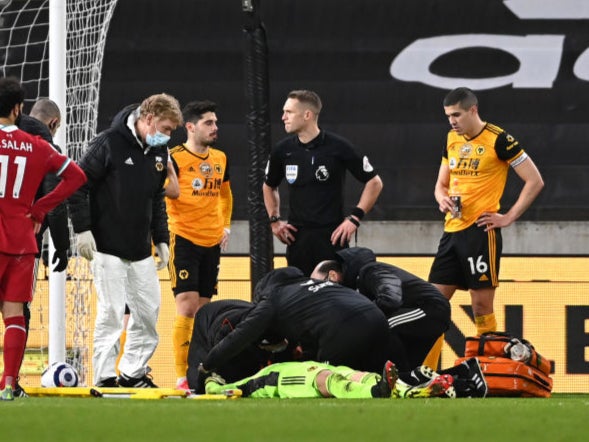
(157, 139)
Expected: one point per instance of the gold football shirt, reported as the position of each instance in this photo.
(478, 171)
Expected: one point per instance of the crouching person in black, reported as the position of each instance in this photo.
(417, 312)
(212, 323)
(331, 322)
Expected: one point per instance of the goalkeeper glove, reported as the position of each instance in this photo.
(86, 244)
(59, 260)
(163, 252)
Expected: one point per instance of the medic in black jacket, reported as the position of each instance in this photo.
(57, 219)
(331, 322)
(417, 312)
(117, 216)
(123, 201)
(212, 323)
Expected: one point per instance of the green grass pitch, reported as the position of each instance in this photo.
(59, 419)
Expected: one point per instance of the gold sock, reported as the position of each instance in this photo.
(181, 335)
(485, 323)
(122, 341)
(432, 359)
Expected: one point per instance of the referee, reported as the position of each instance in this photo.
(314, 163)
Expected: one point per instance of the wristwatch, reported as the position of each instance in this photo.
(274, 218)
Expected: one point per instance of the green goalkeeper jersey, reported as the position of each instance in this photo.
(297, 380)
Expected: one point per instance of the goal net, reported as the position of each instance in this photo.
(24, 53)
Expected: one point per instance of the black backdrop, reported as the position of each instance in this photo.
(344, 50)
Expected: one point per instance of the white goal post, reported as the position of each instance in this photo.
(56, 49)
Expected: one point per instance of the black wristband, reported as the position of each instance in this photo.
(358, 212)
(274, 218)
(353, 221)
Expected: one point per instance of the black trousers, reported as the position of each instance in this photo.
(361, 342)
(311, 246)
(413, 332)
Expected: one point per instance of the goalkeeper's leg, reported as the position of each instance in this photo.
(423, 381)
(344, 383)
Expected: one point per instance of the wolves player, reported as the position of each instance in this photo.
(474, 167)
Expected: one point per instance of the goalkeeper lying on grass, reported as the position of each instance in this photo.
(315, 380)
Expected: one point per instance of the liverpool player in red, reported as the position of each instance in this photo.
(24, 161)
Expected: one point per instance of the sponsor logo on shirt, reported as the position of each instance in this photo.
(197, 184)
(366, 165)
(511, 141)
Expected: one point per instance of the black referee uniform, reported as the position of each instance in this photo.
(417, 312)
(315, 173)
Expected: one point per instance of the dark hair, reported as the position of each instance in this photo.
(308, 97)
(274, 279)
(461, 96)
(194, 110)
(11, 94)
(327, 266)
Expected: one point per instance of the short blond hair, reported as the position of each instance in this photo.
(162, 106)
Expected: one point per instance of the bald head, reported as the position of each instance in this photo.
(47, 112)
(329, 270)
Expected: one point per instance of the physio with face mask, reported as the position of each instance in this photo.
(157, 139)
(117, 216)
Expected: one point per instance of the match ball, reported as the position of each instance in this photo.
(60, 374)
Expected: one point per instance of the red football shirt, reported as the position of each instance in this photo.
(24, 161)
